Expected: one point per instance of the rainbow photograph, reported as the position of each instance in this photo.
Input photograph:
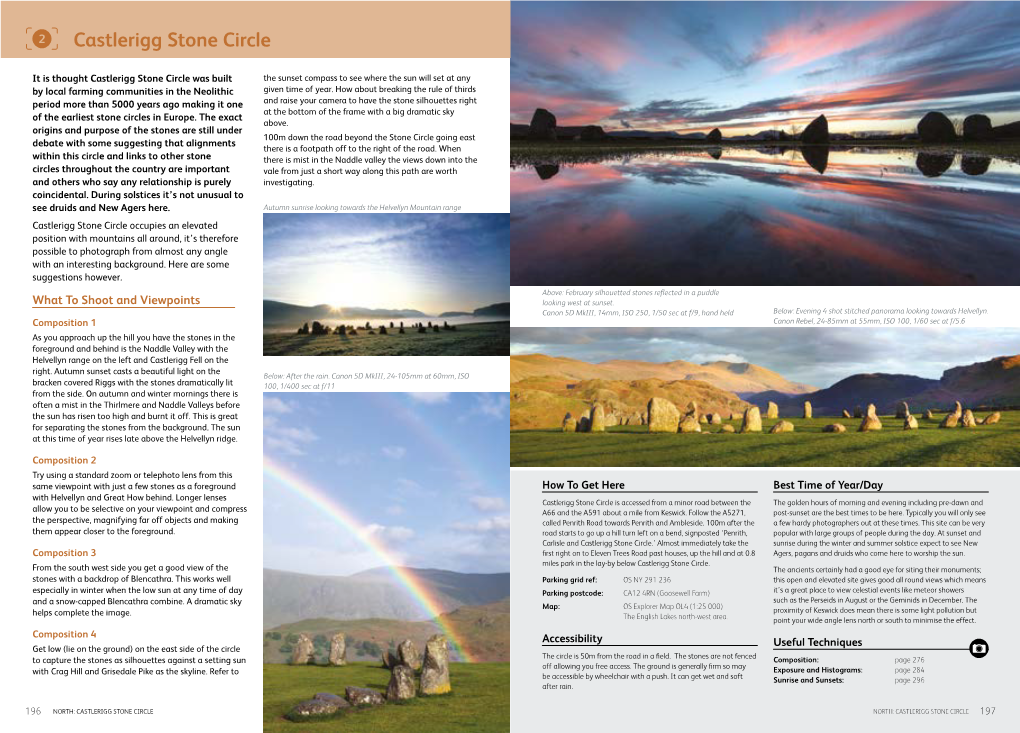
(386, 581)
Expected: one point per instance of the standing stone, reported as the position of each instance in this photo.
(703, 419)
(992, 419)
(929, 415)
(752, 420)
(714, 137)
(715, 418)
(846, 413)
(543, 125)
(569, 423)
(835, 427)
(902, 411)
(338, 650)
(408, 654)
(977, 127)
(772, 411)
(935, 127)
(688, 425)
(304, 650)
(817, 133)
(910, 423)
(584, 425)
(870, 421)
(359, 696)
(435, 669)
(389, 660)
(807, 410)
(598, 419)
(401, 686)
(857, 412)
(968, 421)
(662, 416)
(783, 426)
(727, 429)
(950, 420)
(692, 410)
(958, 410)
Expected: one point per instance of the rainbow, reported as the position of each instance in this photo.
(422, 594)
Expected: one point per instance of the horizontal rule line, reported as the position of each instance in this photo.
(579, 491)
(647, 645)
(867, 649)
(132, 307)
(807, 491)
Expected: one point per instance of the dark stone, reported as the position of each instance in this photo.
(592, 132)
(715, 152)
(364, 696)
(935, 127)
(318, 329)
(817, 133)
(303, 330)
(543, 125)
(1006, 132)
(382, 329)
(975, 165)
(546, 171)
(933, 165)
(714, 137)
(977, 127)
(817, 157)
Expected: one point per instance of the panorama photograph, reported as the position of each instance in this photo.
(779, 143)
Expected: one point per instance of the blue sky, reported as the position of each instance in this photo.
(815, 356)
(749, 66)
(427, 262)
(425, 472)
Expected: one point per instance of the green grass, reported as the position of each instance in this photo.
(480, 700)
(992, 445)
(470, 339)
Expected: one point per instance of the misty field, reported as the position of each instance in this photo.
(470, 339)
(480, 700)
(984, 445)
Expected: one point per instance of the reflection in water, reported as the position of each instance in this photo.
(975, 165)
(884, 217)
(934, 165)
(546, 171)
(817, 156)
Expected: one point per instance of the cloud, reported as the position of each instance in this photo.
(286, 439)
(491, 525)
(487, 503)
(275, 405)
(394, 534)
(489, 404)
(395, 452)
(430, 398)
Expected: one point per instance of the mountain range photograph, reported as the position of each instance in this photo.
(386, 559)
(822, 143)
(764, 397)
(385, 285)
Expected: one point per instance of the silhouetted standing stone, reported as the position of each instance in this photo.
(303, 331)
(401, 686)
(584, 425)
(714, 137)
(817, 133)
(857, 412)
(752, 420)
(338, 650)
(304, 650)
(816, 157)
(435, 669)
(933, 165)
(543, 125)
(663, 416)
(318, 329)
(935, 127)
(977, 127)
(546, 171)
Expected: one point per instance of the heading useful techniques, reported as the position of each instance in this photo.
(174, 40)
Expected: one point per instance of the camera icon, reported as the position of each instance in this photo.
(978, 648)
(42, 39)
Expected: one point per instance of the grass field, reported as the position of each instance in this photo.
(992, 445)
(480, 700)
(470, 339)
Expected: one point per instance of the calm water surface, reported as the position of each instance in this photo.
(737, 216)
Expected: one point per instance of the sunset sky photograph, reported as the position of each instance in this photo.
(748, 67)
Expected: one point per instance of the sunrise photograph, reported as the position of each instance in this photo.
(385, 285)
(781, 143)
